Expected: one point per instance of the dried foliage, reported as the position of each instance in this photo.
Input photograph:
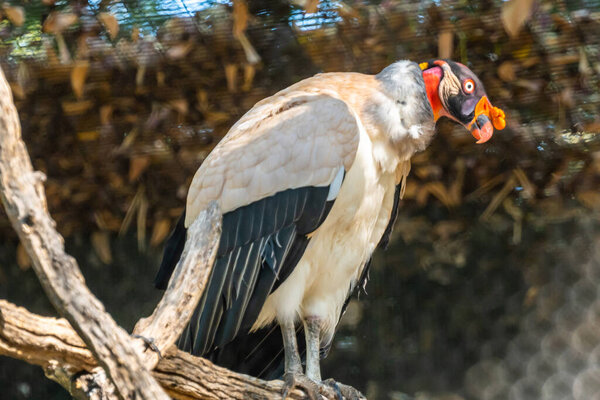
(144, 111)
(120, 107)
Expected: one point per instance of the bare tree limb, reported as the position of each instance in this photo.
(23, 196)
(179, 301)
(73, 357)
(52, 344)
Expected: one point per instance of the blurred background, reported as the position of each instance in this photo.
(491, 286)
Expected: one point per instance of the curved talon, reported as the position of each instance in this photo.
(150, 344)
(292, 380)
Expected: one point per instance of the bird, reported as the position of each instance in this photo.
(309, 182)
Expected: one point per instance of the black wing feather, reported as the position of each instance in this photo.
(260, 245)
(276, 227)
(172, 253)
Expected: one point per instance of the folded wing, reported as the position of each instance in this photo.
(276, 175)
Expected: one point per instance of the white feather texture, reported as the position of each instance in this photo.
(310, 134)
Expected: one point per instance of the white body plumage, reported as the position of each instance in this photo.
(369, 126)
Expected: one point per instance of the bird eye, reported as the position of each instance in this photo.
(469, 86)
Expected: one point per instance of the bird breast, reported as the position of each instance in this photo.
(341, 246)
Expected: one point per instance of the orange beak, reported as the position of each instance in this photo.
(486, 115)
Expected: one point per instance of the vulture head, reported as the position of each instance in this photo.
(455, 92)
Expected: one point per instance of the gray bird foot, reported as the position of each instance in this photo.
(150, 344)
(299, 380)
(344, 391)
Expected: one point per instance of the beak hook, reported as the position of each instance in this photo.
(486, 115)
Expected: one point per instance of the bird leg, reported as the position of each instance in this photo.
(293, 364)
(293, 376)
(312, 331)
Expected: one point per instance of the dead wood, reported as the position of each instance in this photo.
(72, 352)
(25, 203)
(52, 344)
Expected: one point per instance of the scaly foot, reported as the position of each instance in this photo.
(299, 380)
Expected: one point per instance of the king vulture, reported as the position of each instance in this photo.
(309, 182)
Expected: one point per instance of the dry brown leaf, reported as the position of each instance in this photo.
(48, 2)
(17, 90)
(512, 209)
(446, 229)
(564, 59)
(531, 296)
(231, 75)
(105, 220)
(135, 34)
(486, 186)
(87, 136)
(311, 6)
(589, 198)
(438, 190)
(131, 210)
(456, 187)
(141, 221)
(411, 190)
(347, 11)
(506, 71)
(529, 188)
(15, 14)
(51, 56)
(249, 72)
(63, 50)
(498, 198)
(179, 105)
(76, 107)
(101, 245)
(251, 55)
(216, 116)
(240, 17)
(160, 78)
(160, 231)
(441, 193)
(428, 171)
(137, 165)
(23, 260)
(179, 50)
(139, 75)
(202, 99)
(106, 112)
(78, 75)
(514, 15)
(446, 44)
(110, 24)
(57, 22)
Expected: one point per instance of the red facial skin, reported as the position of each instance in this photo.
(486, 116)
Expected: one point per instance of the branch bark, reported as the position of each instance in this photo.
(25, 203)
(52, 344)
(91, 339)
(186, 285)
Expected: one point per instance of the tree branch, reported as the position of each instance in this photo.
(57, 345)
(186, 285)
(52, 344)
(25, 203)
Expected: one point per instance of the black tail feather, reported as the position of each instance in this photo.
(172, 254)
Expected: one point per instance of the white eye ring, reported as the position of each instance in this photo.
(469, 86)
